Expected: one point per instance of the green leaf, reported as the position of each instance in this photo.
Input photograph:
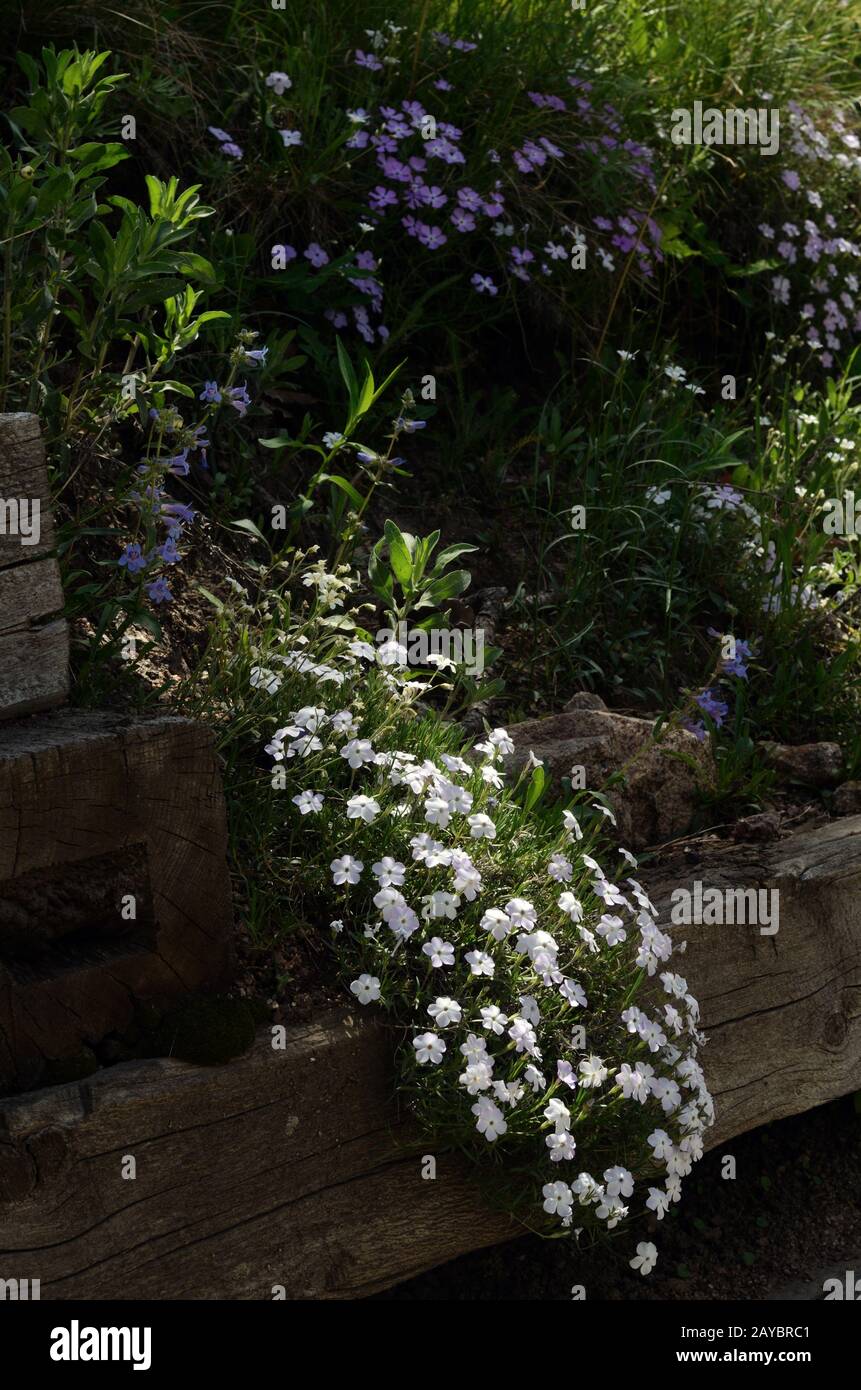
(95, 156)
(341, 482)
(535, 788)
(246, 524)
(446, 587)
(400, 556)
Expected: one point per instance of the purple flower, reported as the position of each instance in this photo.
(255, 356)
(178, 465)
(168, 551)
(484, 284)
(235, 151)
(791, 179)
(432, 196)
(240, 399)
(280, 252)
(463, 220)
(158, 591)
(367, 60)
(316, 255)
(210, 393)
(409, 426)
(381, 198)
(443, 86)
(180, 511)
(291, 137)
(365, 260)
(716, 709)
(432, 237)
(133, 559)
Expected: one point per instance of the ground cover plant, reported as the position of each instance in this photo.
(333, 321)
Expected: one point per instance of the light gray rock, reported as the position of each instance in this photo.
(812, 764)
(847, 799)
(658, 799)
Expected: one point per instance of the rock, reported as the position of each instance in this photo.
(763, 826)
(658, 800)
(847, 799)
(585, 699)
(813, 764)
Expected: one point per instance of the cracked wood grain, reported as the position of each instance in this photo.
(294, 1168)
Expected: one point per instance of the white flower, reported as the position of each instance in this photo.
(560, 868)
(490, 775)
(474, 1049)
(478, 1076)
(363, 650)
(592, 1071)
(571, 904)
(558, 1114)
(346, 870)
(440, 952)
(565, 1074)
(522, 1034)
(357, 752)
(457, 798)
(337, 926)
(429, 1048)
(493, 1019)
(535, 1079)
(521, 912)
(572, 825)
(561, 1145)
(332, 438)
(344, 722)
(645, 1258)
(279, 81)
(501, 741)
(619, 1182)
(626, 356)
(401, 919)
(260, 677)
(481, 827)
(308, 801)
(363, 808)
(573, 994)
(529, 1009)
(388, 872)
(658, 1202)
(437, 811)
(558, 1198)
(442, 904)
(635, 1081)
(480, 963)
(445, 1011)
(675, 373)
(491, 1121)
(612, 929)
(366, 989)
(661, 1143)
(497, 923)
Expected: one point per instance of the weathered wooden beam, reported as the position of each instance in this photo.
(34, 652)
(113, 878)
(292, 1168)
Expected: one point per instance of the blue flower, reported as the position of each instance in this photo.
(210, 392)
(158, 591)
(133, 559)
